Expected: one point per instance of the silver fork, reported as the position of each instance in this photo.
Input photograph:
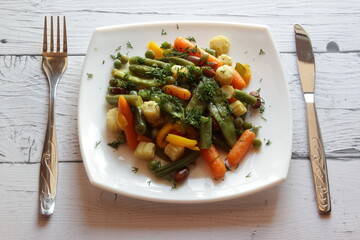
(54, 63)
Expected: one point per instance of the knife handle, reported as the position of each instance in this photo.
(318, 160)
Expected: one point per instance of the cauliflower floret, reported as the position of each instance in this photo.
(228, 91)
(225, 59)
(220, 44)
(174, 152)
(151, 111)
(145, 151)
(179, 71)
(111, 122)
(224, 75)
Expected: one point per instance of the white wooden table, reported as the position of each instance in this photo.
(287, 211)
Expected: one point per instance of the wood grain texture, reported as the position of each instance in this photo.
(287, 211)
(24, 21)
(85, 212)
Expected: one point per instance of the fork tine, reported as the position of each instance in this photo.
(58, 35)
(45, 36)
(52, 35)
(65, 37)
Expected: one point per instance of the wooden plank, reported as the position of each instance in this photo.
(337, 89)
(23, 25)
(85, 212)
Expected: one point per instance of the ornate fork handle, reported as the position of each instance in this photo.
(49, 162)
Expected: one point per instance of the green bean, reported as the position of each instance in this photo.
(226, 124)
(219, 142)
(149, 72)
(137, 80)
(176, 165)
(177, 61)
(160, 153)
(140, 124)
(245, 97)
(205, 132)
(146, 61)
(133, 100)
(210, 51)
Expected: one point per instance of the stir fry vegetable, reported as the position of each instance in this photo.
(180, 102)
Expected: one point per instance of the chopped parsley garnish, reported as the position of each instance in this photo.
(118, 48)
(97, 144)
(191, 39)
(103, 61)
(163, 32)
(117, 142)
(208, 91)
(249, 175)
(268, 142)
(135, 169)
(149, 182)
(262, 107)
(177, 26)
(173, 182)
(117, 56)
(128, 44)
(192, 117)
(90, 75)
(261, 52)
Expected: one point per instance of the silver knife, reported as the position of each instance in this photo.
(306, 66)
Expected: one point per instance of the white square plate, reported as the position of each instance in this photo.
(112, 170)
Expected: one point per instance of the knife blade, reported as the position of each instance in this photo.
(306, 67)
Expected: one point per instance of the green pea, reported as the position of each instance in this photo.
(124, 59)
(238, 122)
(257, 143)
(153, 164)
(155, 98)
(150, 54)
(117, 64)
(166, 45)
(113, 82)
(247, 125)
(171, 80)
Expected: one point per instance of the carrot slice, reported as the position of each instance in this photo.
(183, 45)
(215, 162)
(241, 147)
(130, 133)
(237, 81)
(176, 91)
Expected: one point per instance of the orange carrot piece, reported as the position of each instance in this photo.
(241, 147)
(182, 44)
(237, 81)
(215, 162)
(130, 133)
(142, 138)
(176, 91)
(231, 100)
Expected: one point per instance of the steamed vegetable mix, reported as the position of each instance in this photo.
(181, 101)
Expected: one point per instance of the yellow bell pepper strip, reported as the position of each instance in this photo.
(164, 131)
(181, 141)
(156, 48)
